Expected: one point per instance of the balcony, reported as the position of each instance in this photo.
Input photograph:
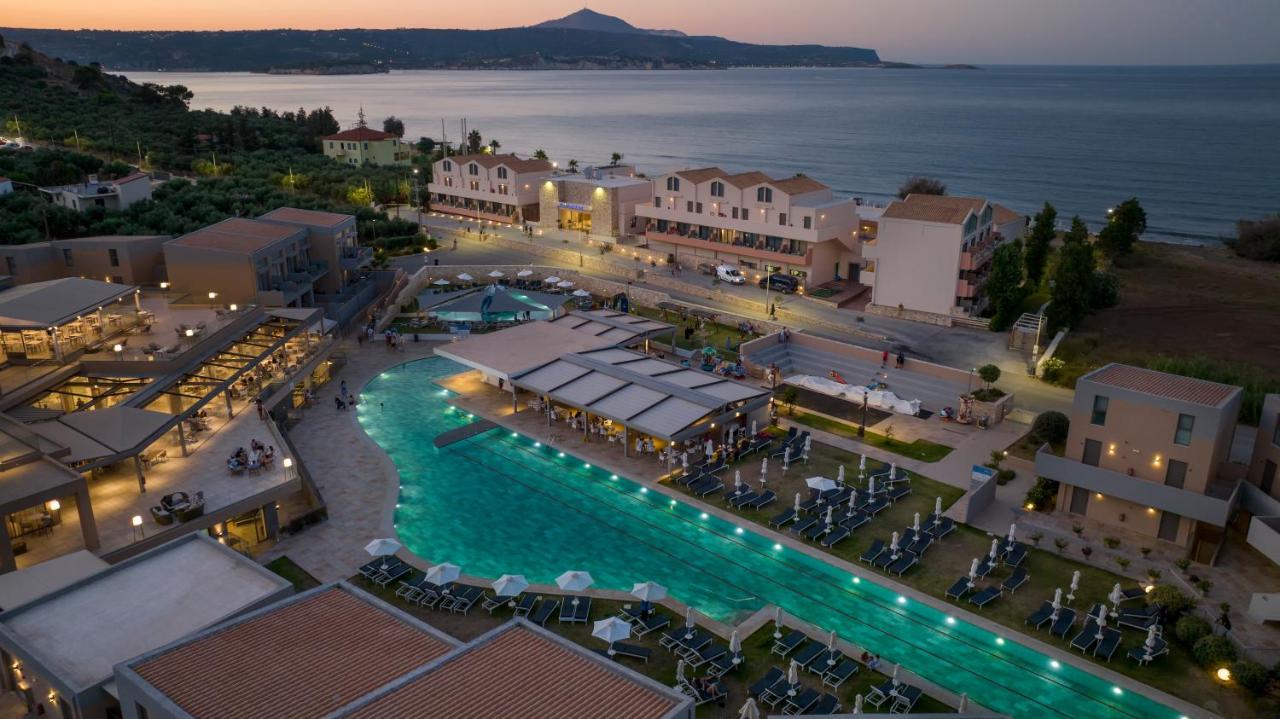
(721, 220)
(978, 257)
(966, 289)
(355, 257)
(1202, 507)
(741, 250)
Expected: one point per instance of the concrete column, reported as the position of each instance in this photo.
(137, 300)
(88, 526)
(57, 346)
(182, 440)
(230, 412)
(271, 520)
(515, 402)
(626, 442)
(7, 561)
(142, 479)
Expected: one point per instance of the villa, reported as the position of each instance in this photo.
(761, 225)
(111, 195)
(366, 146)
(483, 186)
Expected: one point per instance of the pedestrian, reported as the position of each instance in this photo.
(884, 359)
(262, 411)
(773, 310)
(902, 359)
(343, 387)
(455, 242)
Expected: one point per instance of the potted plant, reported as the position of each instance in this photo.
(1078, 529)
(1153, 574)
(1123, 562)
(1145, 551)
(1183, 564)
(1086, 550)
(1061, 544)
(1111, 542)
(1036, 537)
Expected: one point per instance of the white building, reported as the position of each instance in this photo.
(6, 186)
(931, 255)
(793, 226)
(501, 188)
(600, 201)
(114, 195)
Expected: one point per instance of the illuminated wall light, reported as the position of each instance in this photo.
(1098, 495)
(1111, 449)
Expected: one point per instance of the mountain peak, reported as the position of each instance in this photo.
(588, 19)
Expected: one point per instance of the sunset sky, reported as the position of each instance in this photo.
(978, 31)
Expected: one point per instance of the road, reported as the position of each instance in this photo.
(953, 346)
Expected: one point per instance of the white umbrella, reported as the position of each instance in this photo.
(689, 624)
(581, 293)
(973, 572)
(735, 647)
(893, 545)
(964, 704)
(574, 581)
(805, 455)
(1102, 621)
(831, 649)
(1057, 602)
(465, 277)
(915, 523)
(840, 475)
(1013, 531)
(1075, 584)
(995, 550)
(793, 678)
(749, 710)
(709, 448)
(764, 467)
(753, 428)
(442, 282)
(611, 630)
(896, 667)
(777, 617)
(797, 503)
(442, 574)
(822, 484)
(497, 273)
(382, 548)
(852, 509)
(1150, 644)
(1115, 598)
(680, 672)
(862, 465)
(937, 510)
(564, 284)
(684, 460)
(831, 512)
(786, 459)
(649, 592)
(510, 585)
(737, 478)
(808, 443)
(871, 486)
(552, 280)
(524, 273)
(857, 703)
(893, 471)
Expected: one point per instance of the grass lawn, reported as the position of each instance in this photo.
(712, 334)
(1026, 447)
(288, 569)
(662, 666)
(921, 449)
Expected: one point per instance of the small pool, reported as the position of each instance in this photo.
(502, 503)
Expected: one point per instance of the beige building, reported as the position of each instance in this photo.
(366, 146)
(483, 186)
(112, 195)
(333, 242)
(1266, 448)
(122, 259)
(761, 225)
(242, 261)
(931, 255)
(1148, 452)
(600, 202)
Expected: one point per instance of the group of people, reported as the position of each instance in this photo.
(257, 456)
(342, 400)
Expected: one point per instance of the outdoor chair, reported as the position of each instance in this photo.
(840, 673)
(804, 524)
(782, 519)
(905, 562)
(1041, 616)
(787, 644)
(1017, 555)
(1140, 654)
(1015, 580)
(632, 651)
(763, 500)
(742, 499)
(985, 596)
(827, 704)
(810, 652)
(802, 702)
(873, 552)
(770, 678)
(543, 612)
(906, 700)
(1066, 619)
(879, 694)
(960, 589)
(858, 519)
(697, 657)
(835, 536)
(1087, 637)
(1108, 644)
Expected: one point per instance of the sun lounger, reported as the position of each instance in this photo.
(770, 678)
(876, 506)
(429, 595)
(817, 530)
(810, 652)
(805, 523)
(465, 599)
(1139, 654)
(787, 644)
(724, 664)
(379, 567)
(908, 536)
(835, 536)
(985, 596)
(763, 500)
(525, 605)
(827, 704)
(922, 543)
(1108, 644)
(960, 589)
(743, 499)
(632, 651)
(906, 700)
(569, 612)
(779, 691)
(370, 568)
(492, 603)
(1087, 637)
(811, 506)
(392, 575)
(802, 702)
(1062, 625)
(651, 623)
(1017, 555)
(1041, 616)
(707, 486)
(984, 568)
(1015, 580)
(886, 559)
(703, 696)
(877, 695)
(898, 492)
(410, 586)
(873, 552)
(1132, 593)
(908, 560)
(543, 612)
(837, 675)
(783, 518)
(858, 519)
(693, 475)
(944, 527)
(697, 657)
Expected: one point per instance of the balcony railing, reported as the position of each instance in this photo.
(803, 258)
(355, 257)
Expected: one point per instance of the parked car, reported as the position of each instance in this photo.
(729, 274)
(785, 284)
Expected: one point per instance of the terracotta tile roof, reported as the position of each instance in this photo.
(132, 177)
(306, 217)
(1001, 215)
(799, 185)
(934, 208)
(5, 179)
(302, 659)
(489, 161)
(702, 174)
(744, 180)
(237, 234)
(521, 673)
(361, 133)
(1163, 384)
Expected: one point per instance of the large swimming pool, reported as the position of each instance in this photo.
(502, 503)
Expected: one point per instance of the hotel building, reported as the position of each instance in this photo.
(1266, 448)
(122, 259)
(483, 186)
(931, 255)
(600, 202)
(366, 146)
(792, 226)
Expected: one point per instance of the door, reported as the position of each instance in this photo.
(1092, 452)
(1268, 476)
(1176, 474)
(1079, 500)
(855, 271)
(1169, 527)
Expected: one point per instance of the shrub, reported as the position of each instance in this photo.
(1051, 427)
(1078, 529)
(1204, 585)
(1251, 675)
(1123, 562)
(1154, 574)
(1257, 239)
(989, 373)
(1191, 629)
(1060, 543)
(1105, 291)
(1004, 476)
(1146, 551)
(1111, 542)
(1211, 651)
(1086, 550)
(1175, 603)
(1036, 537)
(1183, 564)
(1042, 493)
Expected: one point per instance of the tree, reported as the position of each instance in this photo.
(1125, 224)
(615, 158)
(1004, 285)
(539, 154)
(573, 165)
(1073, 286)
(919, 185)
(1078, 233)
(425, 145)
(1257, 239)
(493, 147)
(474, 142)
(393, 125)
(989, 374)
(1051, 426)
(1040, 244)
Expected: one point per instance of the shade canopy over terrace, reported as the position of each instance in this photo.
(41, 305)
(620, 327)
(516, 349)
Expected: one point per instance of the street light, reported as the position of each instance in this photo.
(969, 390)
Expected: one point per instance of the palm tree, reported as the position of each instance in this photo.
(573, 165)
(615, 158)
(474, 141)
(539, 154)
(493, 147)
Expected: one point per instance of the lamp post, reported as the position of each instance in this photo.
(969, 390)
(862, 428)
(415, 193)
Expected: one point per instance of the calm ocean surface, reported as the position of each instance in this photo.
(1199, 146)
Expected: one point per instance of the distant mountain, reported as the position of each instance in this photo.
(583, 40)
(586, 19)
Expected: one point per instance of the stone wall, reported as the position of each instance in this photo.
(913, 315)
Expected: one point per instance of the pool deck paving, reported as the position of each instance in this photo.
(360, 485)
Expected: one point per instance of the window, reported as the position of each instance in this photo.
(735, 213)
(447, 166)
(114, 257)
(1092, 452)
(1275, 433)
(807, 222)
(1079, 500)
(331, 145)
(764, 194)
(1182, 436)
(688, 206)
(717, 189)
(1268, 476)
(743, 214)
(657, 202)
(697, 207)
(1099, 410)
(502, 189)
(673, 184)
(782, 218)
(502, 173)
(473, 169)
(140, 711)
(366, 146)
(1175, 475)
(475, 185)
(67, 258)
(1169, 527)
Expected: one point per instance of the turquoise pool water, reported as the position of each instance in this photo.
(497, 503)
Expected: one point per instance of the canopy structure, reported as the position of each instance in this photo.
(496, 303)
(619, 327)
(41, 305)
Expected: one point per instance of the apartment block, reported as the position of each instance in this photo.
(483, 186)
(932, 254)
(366, 146)
(122, 259)
(243, 261)
(760, 224)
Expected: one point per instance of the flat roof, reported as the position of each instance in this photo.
(303, 657)
(238, 235)
(1163, 384)
(520, 348)
(18, 485)
(314, 218)
(611, 324)
(610, 181)
(18, 588)
(54, 302)
(519, 670)
(81, 632)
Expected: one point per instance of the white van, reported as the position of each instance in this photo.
(726, 273)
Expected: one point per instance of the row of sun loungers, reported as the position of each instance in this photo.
(461, 598)
(964, 587)
(1101, 641)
